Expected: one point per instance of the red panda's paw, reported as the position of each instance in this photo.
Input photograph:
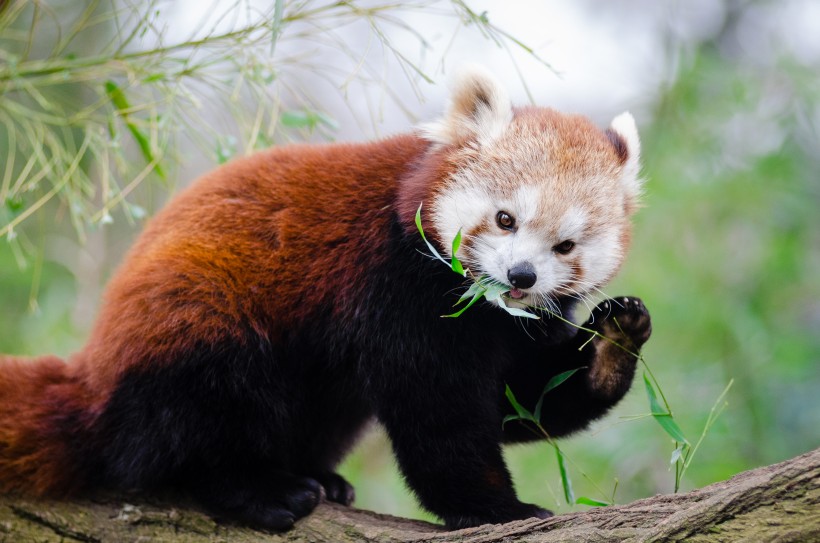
(624, 320)
(625, 324)
(273, 503)
(337, 489)
(302, 496)
(499, 515)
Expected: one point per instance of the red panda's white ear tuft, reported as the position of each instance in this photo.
(624, 126)
(479, 110)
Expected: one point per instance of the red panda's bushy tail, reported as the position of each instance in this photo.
(41, 415)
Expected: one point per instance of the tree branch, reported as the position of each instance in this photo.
(774, 503)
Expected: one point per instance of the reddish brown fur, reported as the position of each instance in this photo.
(40, 400)
(418, 188)
(250, 253)
(236, 270)
(577, 135)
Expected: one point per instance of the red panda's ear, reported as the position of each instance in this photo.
(479, 110)
(624, 135)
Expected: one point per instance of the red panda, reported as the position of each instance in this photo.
(284, 300)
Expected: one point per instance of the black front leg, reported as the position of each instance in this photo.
(447, 441)
(606, 368)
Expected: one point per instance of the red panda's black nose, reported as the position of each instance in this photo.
(522, 275)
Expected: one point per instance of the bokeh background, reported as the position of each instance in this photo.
(726, 251)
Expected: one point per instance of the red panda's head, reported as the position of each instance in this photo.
(543, 199)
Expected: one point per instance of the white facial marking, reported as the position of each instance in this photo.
(460, 209)
(526, 202)
(600, 255)
(572, 225)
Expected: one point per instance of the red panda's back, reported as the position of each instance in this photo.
(259, 243)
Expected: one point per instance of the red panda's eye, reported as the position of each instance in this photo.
(505, 220)
(565, 247)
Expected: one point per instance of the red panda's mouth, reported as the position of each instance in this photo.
(517, 293)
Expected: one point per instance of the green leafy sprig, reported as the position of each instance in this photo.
(524, 415)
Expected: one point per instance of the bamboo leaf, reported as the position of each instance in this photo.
(123, 107)
(551, 384)
(566, 483)
(495, 291)
(671, 427)
(509, 418)
(559, 379)
(475, 287)
(514, 311)
(429, 245)
(537, 411)
(583, 500)
(455, 263)
(476, 297)
(654, 406)
(304, 118)
(297, 118)
(663, 416)
(522, 411)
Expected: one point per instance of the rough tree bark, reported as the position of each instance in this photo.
(775, 503)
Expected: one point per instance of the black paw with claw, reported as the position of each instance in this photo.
(625, 326)
(624, 320)
(337, 489)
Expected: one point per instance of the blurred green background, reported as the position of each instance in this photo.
(726, 256)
